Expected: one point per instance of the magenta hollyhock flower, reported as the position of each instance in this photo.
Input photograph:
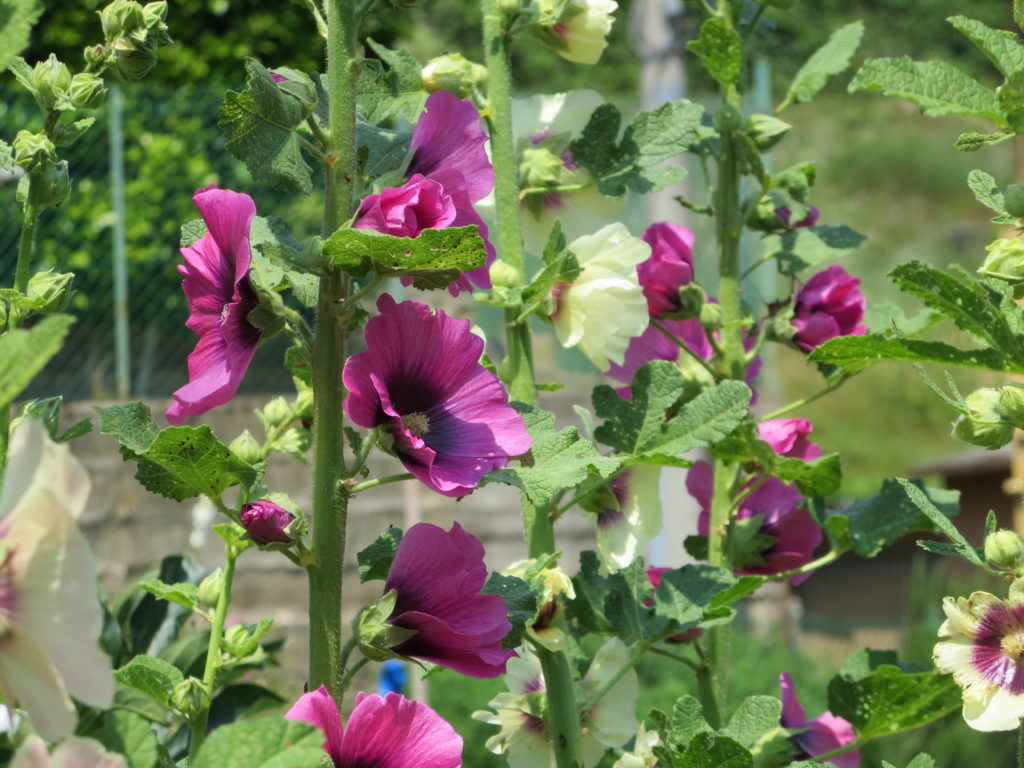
(652, 344)
(819, 736)
(448, 173)
(388, 732)
(220, 297)
(809, 220)
(783, 518)
(265, 521)
(438, 575)
(788, 437)
(669, 268)
(420, 379)
(830, 304)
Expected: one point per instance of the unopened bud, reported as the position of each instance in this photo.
(540, 167)
(33, 151)
(266, 522)
(504, 275)
(454, 72)
(1005, 261)
(154, 14)
(984, 425)
(134, 60)
(122, 17)
(765, 130)
(1003, 550)
(241, 640)
(96, 57)
(50, 291)
(52, 79)
(277, 412)
(711, 315)
(210, 588)
(246, 447)
(1013, 199)
(1011, 403)
(87, 91)
(46, 187)
(190, 697)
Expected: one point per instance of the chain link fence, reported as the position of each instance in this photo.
(171, 146)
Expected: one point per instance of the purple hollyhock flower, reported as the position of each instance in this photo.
(448, 173)
(788, 437)
(220, 297)
(830, 304)
(819, 736)
(652, 344)
(438, 575)
(809, 220)
(669, 268)
(382, 732)
(421, 380)
(265, 521)
(795, 533)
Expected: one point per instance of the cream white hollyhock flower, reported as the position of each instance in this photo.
(611, 722)
(628, 516)
(73, 753)
(642, 755)
(49, 614)
(981, 643)
(553, 582)
(604, 307)
(580, 35)
(548, 123)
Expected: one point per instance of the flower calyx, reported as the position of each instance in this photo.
(376, 635)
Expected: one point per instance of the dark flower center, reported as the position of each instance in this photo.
(417, 423)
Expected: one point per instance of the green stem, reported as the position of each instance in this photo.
(330, 501)
(829, 557)
(715, 670)
(553, 190)
(346, 679)
(797, 404)
(377, 481)
(213, 658)
(1020, 744)
(369, 440)
(683, 346)
(563, 717)
(676, 657)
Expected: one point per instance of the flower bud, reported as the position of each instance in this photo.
(87, 91)
(96, 57)
(276, 412)
(210, 588)
(154, 14)
(48, 187)
(1013, 199)
(540, 167)
(246, 447)
(1005, 261)
(504, 275)
(711, 315)
(1004, 549)
(454, 72)
(241, 640)
(33, 151)
(122, 17)
(51, 289)
(134, 59)
(299, 86)
(190, 697)
(266, 522)
(765, 130)
(984, 424)
(52, 79)
(1011, 404)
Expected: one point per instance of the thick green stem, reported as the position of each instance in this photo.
(213, 658)
(563, 719)
(330, 502)
(1020, 744)
(367, 484)
(713, 678)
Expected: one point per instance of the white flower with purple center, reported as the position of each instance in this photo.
(629, 517)
(981, 643)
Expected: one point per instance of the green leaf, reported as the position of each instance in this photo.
(881, 317)
(987, 192)
(128, 734)
(1003, 48)
(557, 460)
(687, 721)
(651, 138)
(18, 17)
(260, 124)
(753, 718)
(132, 424)
(273, 242)
(720, 49)
(625, 604)
(647, 426)
(713, 750)
(150, 675)
(242, 700)
(381, 150)
(936, 87)
(855, 353)
(25, 352)
(970, 142)
(47, 410)
(445, 252)
(182, 593)
(520, 602)
(395, 91)
(830, 59)
(879, 698)
(375, 560)
(940, 519)
(685, 595)
(878, 520)
(809, 246)
(269, 742)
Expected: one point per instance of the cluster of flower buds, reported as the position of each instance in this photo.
(992, 415)
(454, 72)
(133, 33)
(46, 182)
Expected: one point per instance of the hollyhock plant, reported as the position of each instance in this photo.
(449, 172)
(830, 304)
(981, 643)
(73, 753)
(49, 615)
(788, 437)
(438, 575)
(786, 536)
(603, 308)
(266, 522)
(384, 732)
(421, 381)
(819, 736)
(220, 297)
(669, 268)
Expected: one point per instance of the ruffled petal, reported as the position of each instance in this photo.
(394, 732)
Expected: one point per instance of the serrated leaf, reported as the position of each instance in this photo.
(987, 192)
(970, 142)
(878, 520)
(720, 49)
(685, 594)
(754, 717)
(397, 90)
(560, 459)
(856, 353)
(937, 87)
(1002, 48)
(127, 734)
(182, 593)
(830, 59)
(375, 560)
(940, 519)
(629, 589)
(260, 124)
(150, 675)
(25, 352)
(132, 424)
(809, 246)
(645, 424)
(687, 721)
(268, 742)
(381, 150)
(273, 242)
(713, 750)
(520, 602)
(17, 16)
(22, 73)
